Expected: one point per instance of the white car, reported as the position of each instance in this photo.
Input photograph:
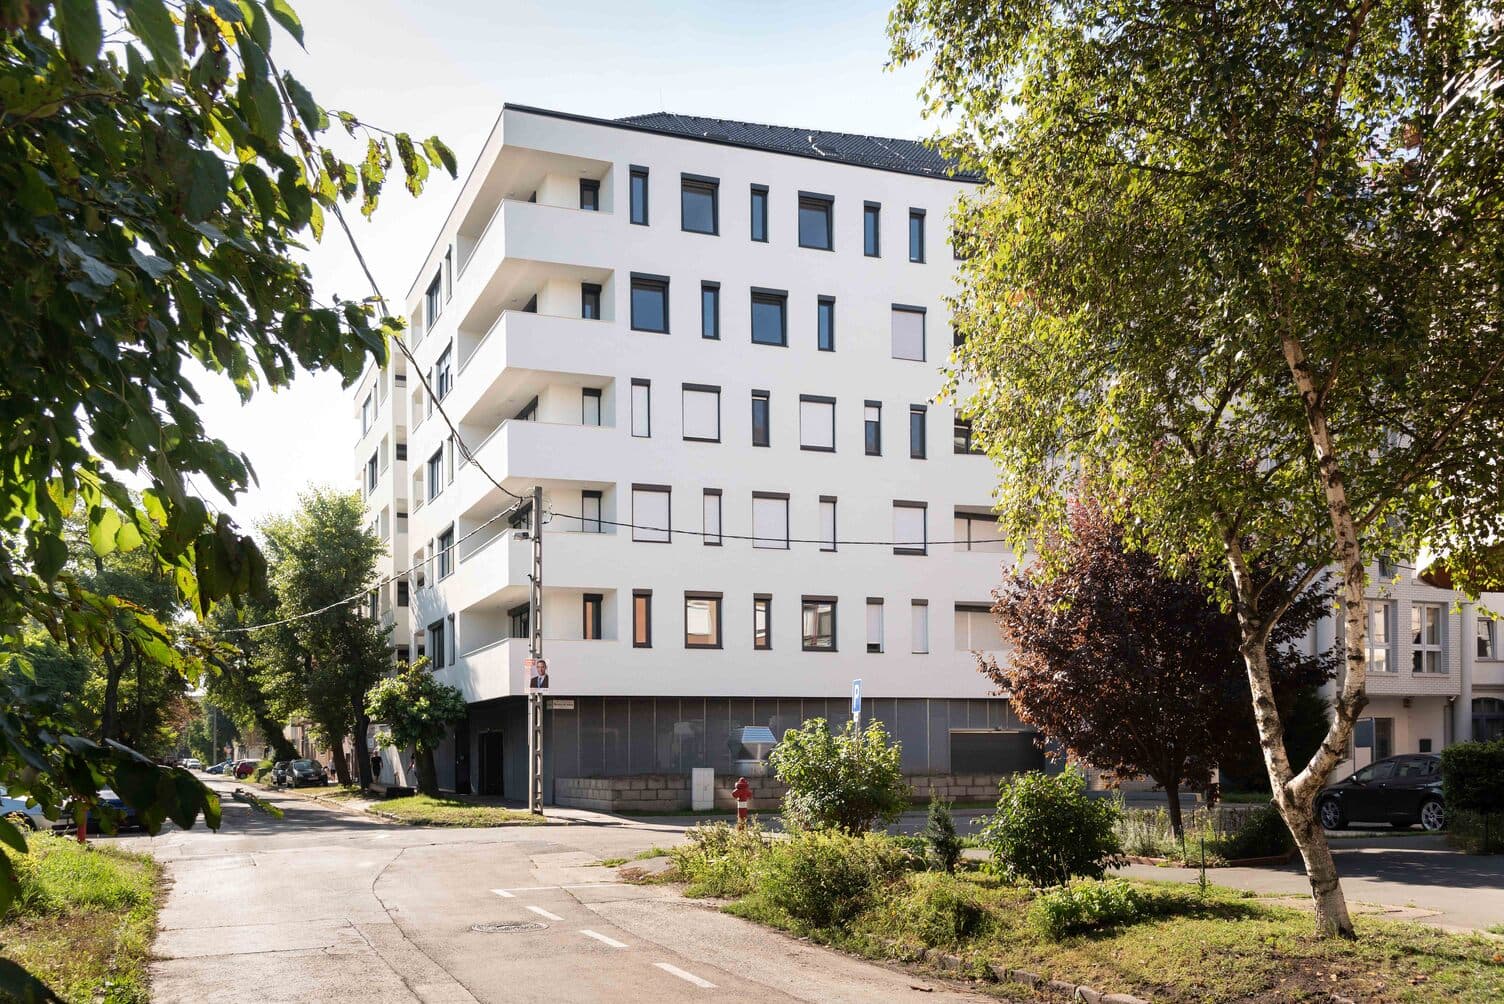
(193, 763)
(17, 808)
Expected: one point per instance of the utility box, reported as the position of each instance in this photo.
(701, 788)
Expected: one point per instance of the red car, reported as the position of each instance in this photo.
(245, 768)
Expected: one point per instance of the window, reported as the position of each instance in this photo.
(916, 235)
(433, 299)
(650, 513)
(817, 423)
(528, 413)
(872, 428)
(518, 621)
(1488, 647)
(590, 301)
(697, 204)
(436, 473)
(401, 451)
(919, 624)
(961, 438)
(590, 194)
(590, 512)
(1376, 735)
(402, 592)
(372, 473)
(642, 400)
(976, 628)
(642, 618)
(404, 654)
(770, 316)
(443, 373)
(916, 431)
(590, 406)
(448, 268)
(639, 196)
(1381, 637)
(702, 620)
(978, 532)
(1425, 630)
(760, 213)
(825, 324)
(874, 624)
(590, 627)
(909, 535)
(710, 310)
(827, 523)
(814, 220)
(908, 332)
(436, 643)
(710, 507)
(702, 413)
(449, 463)
(1488, 719)
(445, 547)
(818, 623)
(650, 303)
(871, 229)
(367, 413)
(761, 433)
(770, 520)
(762, 621)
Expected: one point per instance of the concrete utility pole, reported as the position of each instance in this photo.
(535, 650)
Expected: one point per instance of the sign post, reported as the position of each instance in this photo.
(856, 703)
(537, 669)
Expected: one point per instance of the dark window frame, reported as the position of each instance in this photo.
(599, 498)
(635, 172)
(923, 507)
(586, 394)
(873, 449)
(919, 444)
(825, 306)
(759, 214)
(835, 514)
(592, 188)
(771, 297)
(807, 601)
(445, 561)
(826, 204)
(872, 211)
(720, 515)
(924, 330)
(767, 425)
(400, 451)
(646, 595)
(818, 399)
(647, 386)
(592, 606)
(690, 594)
(959, 425)
(668, 531)
(648, 282)
(788, 530)
(713, 289)
(705, 186)
(878, 647)
(917, 216)
(700, 388)
(762, 603)
(590, 292)
(434, 474)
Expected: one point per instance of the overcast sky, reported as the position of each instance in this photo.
(446, 66)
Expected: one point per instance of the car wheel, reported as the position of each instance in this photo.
(1433, 815)
(1331, 814)
(21, 821)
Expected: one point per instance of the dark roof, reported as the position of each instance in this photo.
(903, 155)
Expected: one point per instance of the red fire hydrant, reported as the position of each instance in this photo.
(742, 792)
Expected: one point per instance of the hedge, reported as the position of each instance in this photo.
(1472, 777)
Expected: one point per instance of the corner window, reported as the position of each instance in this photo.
(701, 413)
(760, 213)
(874, 625)
(770, 520)
(872, 428)
(825, 324)
(762, 621)
(761, 419)
(916, 235)
(642, 408)
(702, 620)
(770, 316)
(642, 618)
(815, 213)
(697, 204)
(818, 623)
(650, 303)
(650, 514)
(871, 229)
(916, 431)
(591, 604)
(639, 196)
(710, 310)
(919, 627)
(908, 332)
(590, 194)
(711, 516)
(827, 523)
(590, 301)
(817, 423)
(909, 528)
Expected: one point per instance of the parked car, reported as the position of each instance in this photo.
(125, 816)
(220, 767)
(29, 817)
(301, 772)
(279, 772)
(193, 763)
(1399, 790)
(245, 768)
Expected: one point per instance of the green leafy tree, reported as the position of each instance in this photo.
(1048, 830)
(1227, 262)
(848, 780)
(419, 712)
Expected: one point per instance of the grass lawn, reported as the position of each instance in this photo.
(422, 810)
(85, 919)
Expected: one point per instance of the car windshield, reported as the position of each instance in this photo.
(305, 764)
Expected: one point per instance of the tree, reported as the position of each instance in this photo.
(419, 711)
(847, 781)
(1224, 264)
(1135, 671)
(323, 661)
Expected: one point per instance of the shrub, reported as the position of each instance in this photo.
(823, 878)
(1082, 906)
(1048, 830)
(263, 768)
(719, 859)
(1472, 777)
(938, 909)
(1476, 832)
(940, 838)
(846, 781)
(1262, 835)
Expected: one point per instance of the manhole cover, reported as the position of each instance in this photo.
(508, 927)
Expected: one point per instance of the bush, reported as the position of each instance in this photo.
(719, 859)
(846, 781)
(1048, 830)
(824, 878)
(263, 768)
(1262, 835)
(936, 908)
(1472, 777)
(1475, 832)
(1082, 906)
(940, 838)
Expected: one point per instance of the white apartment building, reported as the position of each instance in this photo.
(716, 346)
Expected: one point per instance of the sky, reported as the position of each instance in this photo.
(445, 67)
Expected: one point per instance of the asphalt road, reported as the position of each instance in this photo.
(330, 905)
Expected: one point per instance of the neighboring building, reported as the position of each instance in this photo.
(688, 324)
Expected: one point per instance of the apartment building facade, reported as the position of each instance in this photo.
(716, 346)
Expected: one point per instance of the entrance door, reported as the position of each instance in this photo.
(490, 763)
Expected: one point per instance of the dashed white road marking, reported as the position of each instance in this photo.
(544, 913)
(502, 893)
(687, 977)
(541, 888)
(602, 938)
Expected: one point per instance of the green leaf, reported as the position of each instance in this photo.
(440, 155)
(127, 538)
(150, 263)
(79, 29)
(104, 524)
(152, 23)
(308, 109)
(207, 186)
(51, 555)
(282, 12)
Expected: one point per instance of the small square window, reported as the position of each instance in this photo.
(590, 194)
(910, 531)
(908, 332)
(817, 423)
(650, 303)
(818, 623)
(698, 211)
(770, 316)
(815, 213)
(590, 301)
(701, 413)
(702, 620)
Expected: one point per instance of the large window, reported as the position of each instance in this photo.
(872, 229)
(1377, 736)
(518, 620)
(702, 620)
(916, 431)
(590, 608)
(443, 373)
(761, 419)
(827, 522)
(770, 520)
(1381, 636)
(874, 624)
(642, 618)
(711, 514)
(909, 536)
(590, 406)
(590, 301)
(590, 194)
(961, 438)
(919, 621)
(639, 196)
(977, 629)
(1425, 631)
(436, 473)
(1488, 640)
(817, 423)
(818, 623)
(650, 303)
(1488, 719)
(908, 332)
(642, 408)
(702, 413)
(770, 316)
(815, 213)
(650, 514)
(697, 204)
(872, 428)
(916, 235)
(762, 621)
(590, 512)
(825, 324)
(710, 310)
(978, 532)
(444, 545)
(436, 647)
(760, 213)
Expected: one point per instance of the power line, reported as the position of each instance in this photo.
(754, 537)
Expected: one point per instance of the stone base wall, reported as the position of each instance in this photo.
(670, 792)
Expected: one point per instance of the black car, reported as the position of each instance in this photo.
(1399, 790)
(301, 772)
(279, 772)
